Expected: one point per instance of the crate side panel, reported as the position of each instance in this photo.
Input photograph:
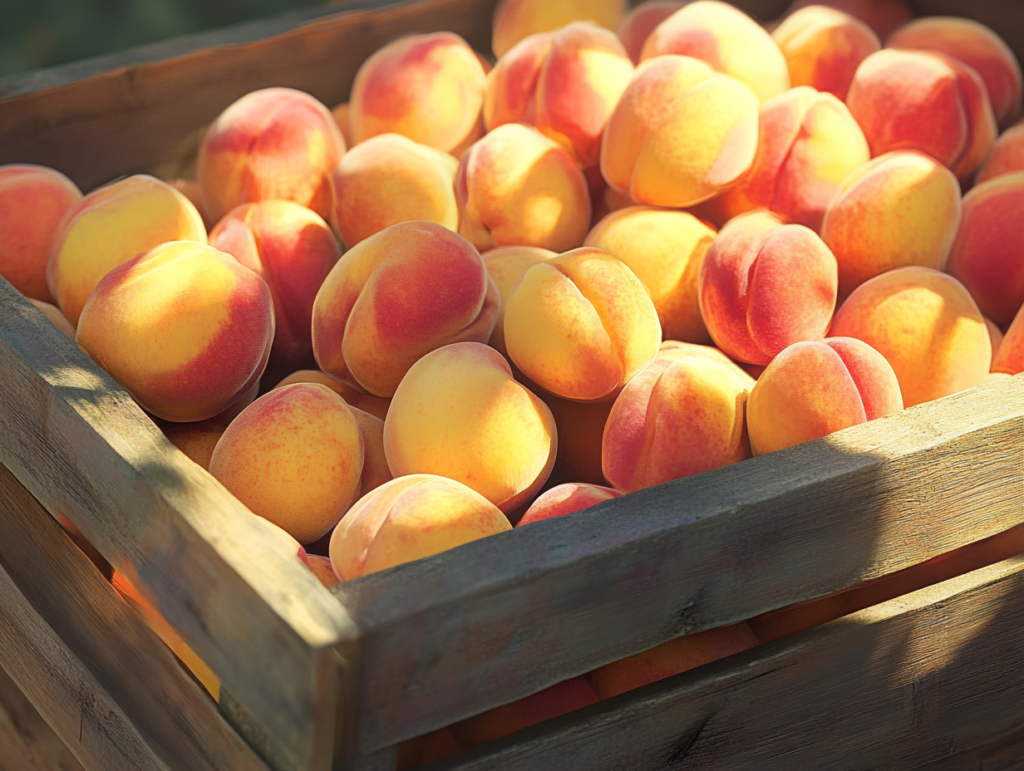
(27, 743)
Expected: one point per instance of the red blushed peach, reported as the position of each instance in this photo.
(565, 499)
(566, 83)
(33, 201)
(505, 265)
(988, 253)
(883, 16)
(812, 389)
(727, 40)
(517, 187)
(975, 45)
(459, 413)
(1007, 156)
(184, 328)
(516, 20)
(429, 88)
(195, 440)
(390, 179)
(680, 134)
(580, 428)
(824, 47)
(926, 326)
(52, 312)
(764, 286)
(275, 143)
(111, 225)
(903, 208)
(682, 415)
(374, 405)
(321, 568)
(664, 249)
(809, 144)
(409, 518)
(294, 457)
(1009, 359)
(396, 296)
(670, 658)
(641, 22)
(292, 249)
(581, 325)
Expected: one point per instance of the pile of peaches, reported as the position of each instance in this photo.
(602, 262)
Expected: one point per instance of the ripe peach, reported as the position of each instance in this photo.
(883, 16)
(52, 312)
(184, 328)
(1009, 358)
(409, 518)
(639, 23)
(565, 499)
(995, 336)
(505, 265)
(1007, 155)
(375, 405)
(33, 201)
(516, 20)
(196, 440)
(191, 190)
(396, 296)
(321, 567)
(340, 115)
(580, 428)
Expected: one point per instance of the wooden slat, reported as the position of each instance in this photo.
(893, 686)
(168, 709)
(1003, 754)
(27, 743)
(250, 609)
(506, 616)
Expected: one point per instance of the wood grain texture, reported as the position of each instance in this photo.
(894, 686)
(174, 716)
(27, 743)
(1005, 753)
(220, 575)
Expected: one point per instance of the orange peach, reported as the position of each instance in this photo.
(516, 20)
(429, 88)
(725, 39)
(321, 567)
(184, 328)
(1007, 155)
(680, 134)
(396, 296)
(292, 249)
(995, 336)
(409, 518)
(195, 440)
(340, 115)
(903, 208)
(375, 463)
(764, 286)
(374, 405)
(33, 202)
(111, 225)
(641, 22)
(275, 143)
(664, 249)
(812, 389)
(565, 499)
(988, 253)
(191, 190)
(581, 325)
(52, 312)
(505, 265)
(517, 187)
(580, 428)
(1009, 358)
(926, 326)
(883, 16)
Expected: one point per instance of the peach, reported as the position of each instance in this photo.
(882, 16)
(516, 20)
(566, 83)
(191, 190)
(275, 143)
(374, 405)
(764, 286)
(725, 39)
(292, 249)
(995, 336)
(111, 225)
(680, 134)
(580, 428)
(396, 296)
(809, 144)
(581, 325)
(517, 187)
(459, 413)
(425, 748)
(409, 518)
(429, 88)
(33, 202)
(670, 658)
(988, 253)
(184, 328)
(565, 499)
(664, 249)
(903, 208)
(812, 389)
(682, 415)
(321, 567)
(340, 115)
(975, 45)
(390, 179)
(196, 440)
(640, 22)
(52, 312)
(505, 265)
(1007, 155)
(926, 326)
(1009, 358)
(375, 463)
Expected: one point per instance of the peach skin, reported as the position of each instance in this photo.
(340, 115)
(184, 328)
(567, 498)
(111, 225)
(764, 286)
(409, 518)
(995, 336)
(396, 296)
(321, 568)
(1009, 358)
(429, 88)
(375, 405)
(1007, 156)
(459, 413)
(195, 440)
(641, 22)
(505, 265)
(275, 143)
(926, 326)
(33, 202)
(580, 428)
(516, 20)
(52, 312)
(375, 463)
(581, 325)
(883, 16)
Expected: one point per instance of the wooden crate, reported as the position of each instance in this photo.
(316, 679)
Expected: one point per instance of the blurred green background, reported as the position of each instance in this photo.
(41, 33)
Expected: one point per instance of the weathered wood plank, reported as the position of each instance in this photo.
(27, 743)
(248, 608)
(504, 617)
(893, 686)
(1003, 754)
